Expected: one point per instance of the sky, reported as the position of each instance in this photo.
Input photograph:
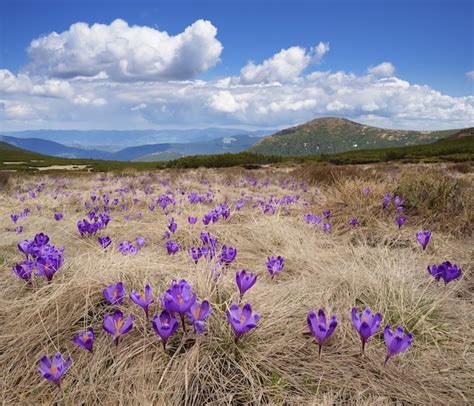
(138, 64)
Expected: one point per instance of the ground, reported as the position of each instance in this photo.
(374, 264)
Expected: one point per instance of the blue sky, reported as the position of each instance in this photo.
(428, 43)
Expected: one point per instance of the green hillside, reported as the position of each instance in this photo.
(332, 135)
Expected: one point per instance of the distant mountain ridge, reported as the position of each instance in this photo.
(331, 135)
(149, 152)
(119, 139)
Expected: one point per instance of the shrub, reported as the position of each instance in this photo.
(437, 197)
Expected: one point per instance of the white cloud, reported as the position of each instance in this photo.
(285, 66)
(470, 74)
(384, 69)
(225, 102)
(274, 93)
(125, 53)
(320, 50)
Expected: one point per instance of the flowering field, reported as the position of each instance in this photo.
(271, 286)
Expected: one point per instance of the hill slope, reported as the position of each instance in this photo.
(331, 135)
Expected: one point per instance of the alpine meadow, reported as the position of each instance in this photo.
(264, 202)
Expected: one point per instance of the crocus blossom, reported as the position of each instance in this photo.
(85, 339)
(165, 325)
(58, 216)
(366, 324)
(319, 327)
(143, 299)
(54, 369)
(242, 320)
(179, 298)
(104, 241)
(172, 247)
(423, 237)
(396, 341)
(274, 265)
(114, 293)
(116, 325)
(400, 220)
(198, 313)
(245, 280)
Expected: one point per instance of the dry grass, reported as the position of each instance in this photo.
(374, 265)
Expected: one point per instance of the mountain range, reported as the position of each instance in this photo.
(147, 152)
(320, 136)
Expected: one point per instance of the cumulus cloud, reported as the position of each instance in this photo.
(116, 76)
(285, 66)
(470, 74)
(125, 53)
(384, 69)
(225, 102)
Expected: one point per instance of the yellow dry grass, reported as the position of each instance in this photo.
(374, 265)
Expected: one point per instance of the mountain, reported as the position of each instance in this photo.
(114, 140)
(54, 149)
(331, 135)
(150, 152)
(467, 132)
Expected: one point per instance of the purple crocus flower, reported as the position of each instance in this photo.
(114, 294)
(386, 201)
(165, 326)
(172, 247)
(41, 239)
(24, 270)
(195, 253)
(47, 266)
(327, 214)
(198, 313)
(366, 191)
(14, 217)
(396, 341)
(172, 226)
(319, 328)
(227, 255)
(245, 280)
(85, 339)
(192, 220)
(445, 271)
(54, 369)
(354, 222)
(26, 246)
(140, 241)
(242, 321)
(366, 324)
(274, 265)
(143, 299)
(423, 237)
(58, 216)
(179, 298)
(400, 220)
(116, 325)
(104, 241)
(326, 227)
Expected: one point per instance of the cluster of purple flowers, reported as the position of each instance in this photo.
(40, 255)
(445, 271)
(313, 219)
(215, 214)
(209, 250)
(366, 325)
(93, 224)
(126, 247)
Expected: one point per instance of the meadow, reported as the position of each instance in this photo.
(347, 236)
